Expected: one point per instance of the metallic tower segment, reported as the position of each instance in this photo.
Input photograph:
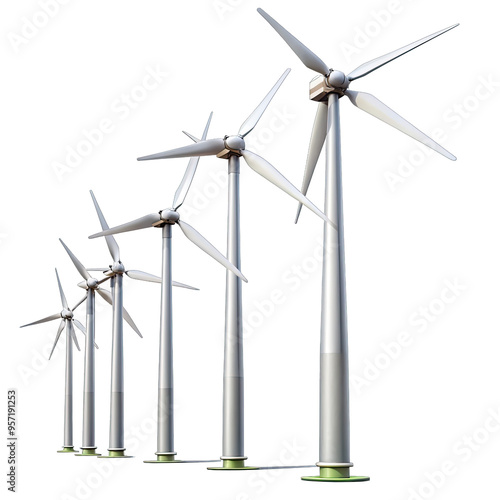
(330, 85)
(165, 436)
(334, 374)
(68, 393)
(116, 426)
(88, 435)
(233, 396)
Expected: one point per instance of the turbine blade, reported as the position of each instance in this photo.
(73, 335)
(113, 247)
(307, 56)
(59, 330)
(371, 105)
(191, 136)
(182, 190)
(83, 330)
(266, 170)
(182, 285)
(195, 237)
(63, 297)
(203, 148)
(106, 295)
(98, 269)
(80, 326)
(142, 276)
(79, 266)
(140, 223)
(52, 317)
(249, 124)
(80, 302)
(315, 146)
(374, 64)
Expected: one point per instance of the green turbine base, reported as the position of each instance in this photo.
(89, 452)
(116, 454)
(67, 449)
(335, 474)
(233, 465)
(164, 459)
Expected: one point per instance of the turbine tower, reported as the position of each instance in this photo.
(327, 88)
(232, 147)
(67, 320)
(92, 285)
(165, 219)
(115, 272)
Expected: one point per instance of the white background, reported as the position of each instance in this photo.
(409, 413)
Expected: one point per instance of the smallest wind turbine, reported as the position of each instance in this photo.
(67, 320)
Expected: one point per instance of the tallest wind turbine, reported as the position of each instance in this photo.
(327, 88)
(232, 147)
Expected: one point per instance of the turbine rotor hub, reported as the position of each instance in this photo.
(118, 268)
(169, 216)
(337, 80)
(66, 314)
(92, 283)
(234, 143)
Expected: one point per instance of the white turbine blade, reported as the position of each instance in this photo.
(182, 190)
(307, 56)
(73, 335)
(378, 109)
(52, 317)
(140, 223)
(80, 302)
(79, 266)
(203, 148)
(59, 330)
(315, 146)
(63, 297)
(113, 247)
(142, 276)
(249, 124)
(374, 64)
(182, 285)
(98, 269)
(194, 236)
(106, 295)
(266, 170)
(191, 136)
(83, 330)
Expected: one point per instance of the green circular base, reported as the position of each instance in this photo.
(352, 479)
(116, 454)
(67, 449)
(88, 453)
(163, 461)
(233, 465)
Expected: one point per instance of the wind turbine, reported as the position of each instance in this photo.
(67, 320)
(115, 272)
(232, 147)
(92, 285)
(165, 219)
(327, 88)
